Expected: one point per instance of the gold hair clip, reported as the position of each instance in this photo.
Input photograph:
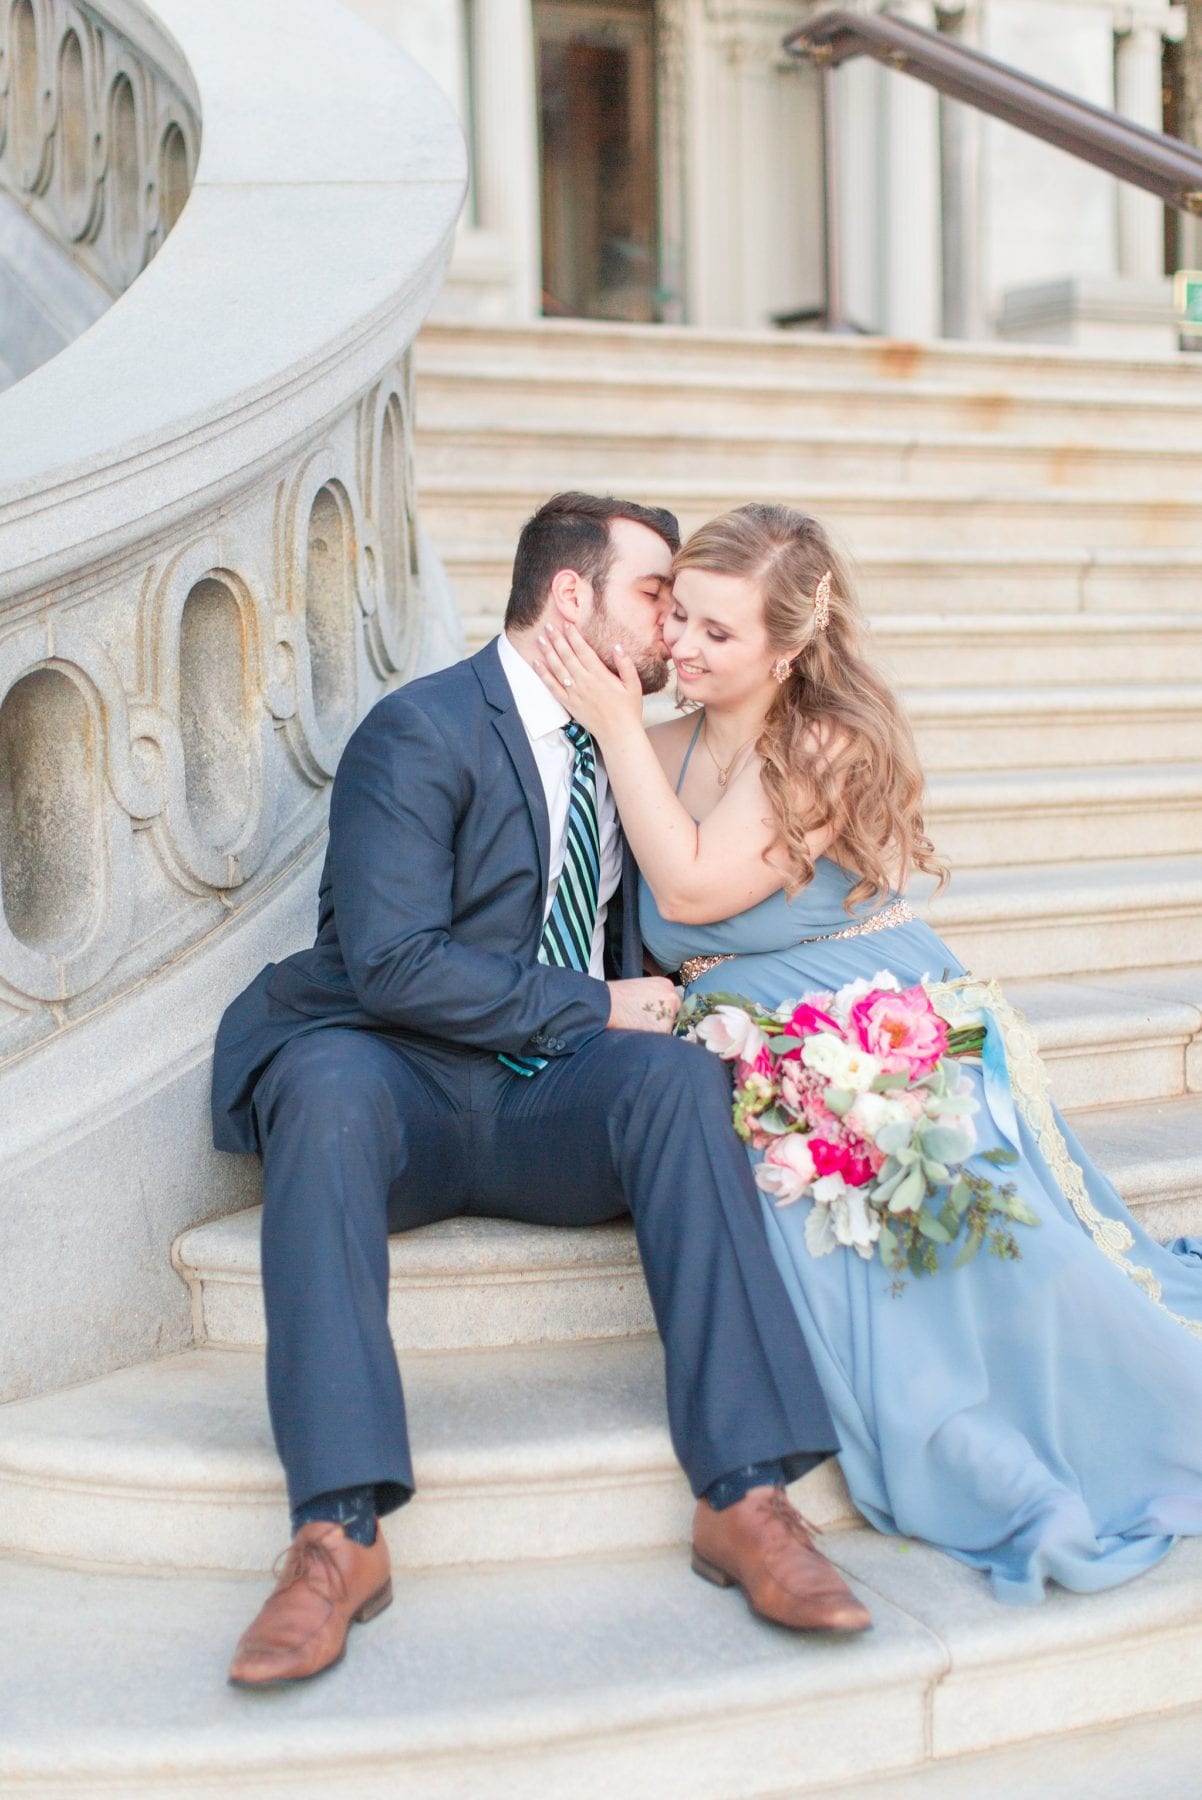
(822, 603)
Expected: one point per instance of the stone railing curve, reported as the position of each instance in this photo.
(99, 129)
(210, 566)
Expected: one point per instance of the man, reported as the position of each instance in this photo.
(472, 1021)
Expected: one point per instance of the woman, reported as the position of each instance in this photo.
(1039, 1419)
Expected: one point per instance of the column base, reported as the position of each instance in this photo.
(1092, 312)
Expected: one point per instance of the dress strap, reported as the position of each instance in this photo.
(684, 767)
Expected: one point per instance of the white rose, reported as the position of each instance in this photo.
(843, 1065)
(871, 1112)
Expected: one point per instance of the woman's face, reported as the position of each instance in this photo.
(716, 638)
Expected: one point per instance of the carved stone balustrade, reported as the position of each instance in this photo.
(210, 566)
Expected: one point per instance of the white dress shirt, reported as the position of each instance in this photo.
(544, 719)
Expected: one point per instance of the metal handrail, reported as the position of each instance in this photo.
(1159, 164)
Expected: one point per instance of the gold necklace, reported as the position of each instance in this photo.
(723, 773)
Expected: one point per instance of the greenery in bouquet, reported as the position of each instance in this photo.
(860, 1104)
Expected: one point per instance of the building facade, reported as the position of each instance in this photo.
(661, 160)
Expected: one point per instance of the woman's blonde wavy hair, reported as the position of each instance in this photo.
(869, 787)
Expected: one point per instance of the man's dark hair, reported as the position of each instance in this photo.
(571, 531)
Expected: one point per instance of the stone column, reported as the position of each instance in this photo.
(507, 199)
(1137, 96)
(910, 198)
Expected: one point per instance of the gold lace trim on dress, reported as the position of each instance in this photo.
(956, 1001)
(896, 913)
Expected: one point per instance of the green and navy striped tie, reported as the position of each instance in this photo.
(567, 940)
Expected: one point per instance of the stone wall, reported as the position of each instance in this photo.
(210, 566)
(99, 138)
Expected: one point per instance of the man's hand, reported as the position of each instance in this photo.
(648, 1003)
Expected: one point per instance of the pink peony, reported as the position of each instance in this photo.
(902, 1031)
(859, 1170)
(807, 1019)
(836, 1158)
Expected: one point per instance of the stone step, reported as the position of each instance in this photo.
(544, 1452)
(473, 1284)
(563, 349)
(462, 389)
(797, 453)
(1112, 1041)
(1010, 817)
(465, 508)
(464, 1284)
(987, 648)
(1153, 1154)
(612, 1675)
(1072, 918)
(1059, 589)
(1154, 1757)
(1031, 727)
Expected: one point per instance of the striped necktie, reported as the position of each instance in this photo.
(567, 940)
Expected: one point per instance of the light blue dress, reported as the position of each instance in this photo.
(1039, 1420)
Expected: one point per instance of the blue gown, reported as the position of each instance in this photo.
(1039, 1420)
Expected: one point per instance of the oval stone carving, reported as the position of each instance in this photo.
(26, 85)
(124, 173)
(173, 176)
(72, 128)
(393, 521)
(214, 713)
(51, 832)
(329, 609)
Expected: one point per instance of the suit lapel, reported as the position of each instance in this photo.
(508, 725)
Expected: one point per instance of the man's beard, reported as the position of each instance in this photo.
(601, 633)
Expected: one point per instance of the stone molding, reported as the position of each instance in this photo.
(99, 130)
(210, 567)
(193, 619)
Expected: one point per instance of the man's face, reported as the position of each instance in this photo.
(631, 607)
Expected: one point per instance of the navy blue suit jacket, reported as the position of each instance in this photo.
(430, 909)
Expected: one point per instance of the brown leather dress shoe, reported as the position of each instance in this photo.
(762, 1545)
(327, 1582)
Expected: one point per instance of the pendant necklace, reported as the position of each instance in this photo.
(723, 773)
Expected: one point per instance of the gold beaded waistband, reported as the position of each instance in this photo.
(898, 912)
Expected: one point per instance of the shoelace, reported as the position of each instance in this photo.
(302, 1562)
(787, 1515)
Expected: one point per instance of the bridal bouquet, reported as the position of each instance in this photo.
(860, 1105)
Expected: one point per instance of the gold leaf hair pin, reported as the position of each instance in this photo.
(822, 603)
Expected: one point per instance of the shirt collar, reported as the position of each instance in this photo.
(538, 709)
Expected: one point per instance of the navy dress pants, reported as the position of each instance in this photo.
(363, 1133)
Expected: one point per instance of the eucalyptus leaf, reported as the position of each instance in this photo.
(930, 1227)
(910, 1192)
(947, 1143)
(960, 1196)
(840, 1100)
(891, 1138)
(1016, 1209)
(976, 1237)
(1001, 1158)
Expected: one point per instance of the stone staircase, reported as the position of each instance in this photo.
(1025, 524)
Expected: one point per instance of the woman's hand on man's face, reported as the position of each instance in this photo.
(596, 697)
